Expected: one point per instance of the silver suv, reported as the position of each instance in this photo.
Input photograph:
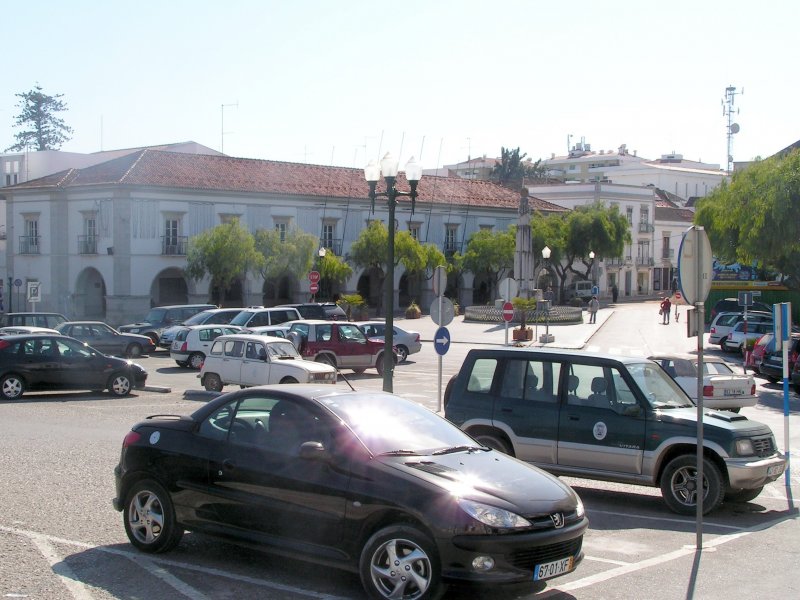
(258, 316)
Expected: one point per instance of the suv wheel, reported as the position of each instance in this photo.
(679, 485)
(493, 441)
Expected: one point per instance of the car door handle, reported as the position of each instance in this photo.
(574, 418)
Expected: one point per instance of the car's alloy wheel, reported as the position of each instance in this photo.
(679, 485)
(494, 442)
(402, 354)
(400, 562)
(12, 387)
(196, 360)
(326, 359)
(134, 351)
(212, 382)
(120, 385)
(150, 518)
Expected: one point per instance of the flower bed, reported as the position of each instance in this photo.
(558, 314)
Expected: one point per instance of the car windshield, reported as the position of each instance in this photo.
(658, 388)
(414, 430)
(716, 368)
(242, 318)
(282, 350)
(199, 318)
(156, 315)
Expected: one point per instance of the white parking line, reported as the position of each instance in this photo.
(81, 592)
(664, 519)
(77, 589)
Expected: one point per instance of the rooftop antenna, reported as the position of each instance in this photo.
(728, 112)
(222, 131)
(569, 137)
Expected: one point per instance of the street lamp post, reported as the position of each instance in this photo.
(372, 173)
(591, 255)
(321, 254)
(548, 302)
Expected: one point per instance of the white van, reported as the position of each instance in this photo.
(247, 360)
(579, 289)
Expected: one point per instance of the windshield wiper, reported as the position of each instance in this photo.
(399, 453)
(458, 449)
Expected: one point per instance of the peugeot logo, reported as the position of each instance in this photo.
(558, 520)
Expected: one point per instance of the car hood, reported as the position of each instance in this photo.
(490, 477)
(721, 420)
(139, 324)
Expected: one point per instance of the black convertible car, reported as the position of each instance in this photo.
(365, 481)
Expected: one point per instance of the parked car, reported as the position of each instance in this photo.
(246, 359)
(309, 310)
(737, 338)
(409, 505)
(579, 289)
(609, 417)
(405, 342)
(51, 362)
(334, 312)
(723, 388)
(772, 364)
(795, 376)
(280, 331)
(258, 316)
(338, 343)
(162, 317)
(722, 325)
(35, 319)
(23, 329)
(763, 346)
(106, 339)
(212, 316)
(192, 343)
(732, 305)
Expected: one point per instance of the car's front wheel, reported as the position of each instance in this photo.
(326, 359)
(12, 386)
(679, 485)
(120, 384)
(150, 518)
(402, 354)
(212, 382)
(134, 351)
(494, 442)
(400, 562)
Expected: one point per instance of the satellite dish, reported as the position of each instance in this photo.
(734, 128)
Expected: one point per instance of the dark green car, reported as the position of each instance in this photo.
(611, 418)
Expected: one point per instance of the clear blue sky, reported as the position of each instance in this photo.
(340, 82)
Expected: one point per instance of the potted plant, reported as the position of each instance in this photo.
(523, 306)
(413, 311)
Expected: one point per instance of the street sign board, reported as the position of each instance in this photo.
(447, 313)
(313, 288)
(508, 288)
(34, 291)
(441, 341)
(508, 312)
(695, 265)
(314, 276)
(439, 280)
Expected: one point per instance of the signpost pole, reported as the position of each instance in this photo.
(701, 321)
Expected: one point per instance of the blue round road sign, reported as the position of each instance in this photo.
(441, 341)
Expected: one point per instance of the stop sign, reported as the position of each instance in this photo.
(508, 311)
(313, 276)
(313, 288)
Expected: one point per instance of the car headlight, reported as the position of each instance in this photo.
(493, 516)
(744, 447)
(579, 510)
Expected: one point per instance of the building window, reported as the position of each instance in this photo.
(29, 243)
(644, 215)
(281, 227)
(450, 244)
(173, 243)
(328, 234)
(629, 214)
(87, 243)
(413, 229)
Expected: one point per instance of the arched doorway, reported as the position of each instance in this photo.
(369, 287)
(169, 287)
(89, 299)
(410, 289)
(481, 291)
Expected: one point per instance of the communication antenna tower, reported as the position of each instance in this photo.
(733, 128)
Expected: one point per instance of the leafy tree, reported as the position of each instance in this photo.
(292, 255)
(756, 216)
(43, 129)
(225, 253)
(490, 253)
(371, 250)
(513, 172)
(333, 269)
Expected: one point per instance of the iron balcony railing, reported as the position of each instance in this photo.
(332, 244)
(668, 253)
(645, 261)
(646, 228)
(174, 245)
(87, 244)
(29, 244)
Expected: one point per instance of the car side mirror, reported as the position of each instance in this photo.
(633, 410)
(314, 451)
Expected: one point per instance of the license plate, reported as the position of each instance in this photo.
(774, 470)
(551, 569)
(734, 392)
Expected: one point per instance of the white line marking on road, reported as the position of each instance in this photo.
(60, 568)
(170, 563)
(665, 519)
(168, 578)
(620, 563)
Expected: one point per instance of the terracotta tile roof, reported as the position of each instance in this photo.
(156, 168)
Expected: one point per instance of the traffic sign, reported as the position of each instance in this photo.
(439, 280)
(508, 312)
(314, 276)
(695, 265)
(441, 341)
(313, 288)
(447, 313)
(508, 288)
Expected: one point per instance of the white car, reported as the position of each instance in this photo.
(246, 359)
(191, 344)
(280, 331)
(724, 323)
(405, 342)
(723, 388)
(735, 342)
(26, 329)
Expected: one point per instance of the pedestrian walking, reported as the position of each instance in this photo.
(614, 293)
(593, 306)
(666, 305)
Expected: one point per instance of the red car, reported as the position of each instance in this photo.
(339, 343)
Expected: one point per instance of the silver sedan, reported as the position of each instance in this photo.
(406, 342)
